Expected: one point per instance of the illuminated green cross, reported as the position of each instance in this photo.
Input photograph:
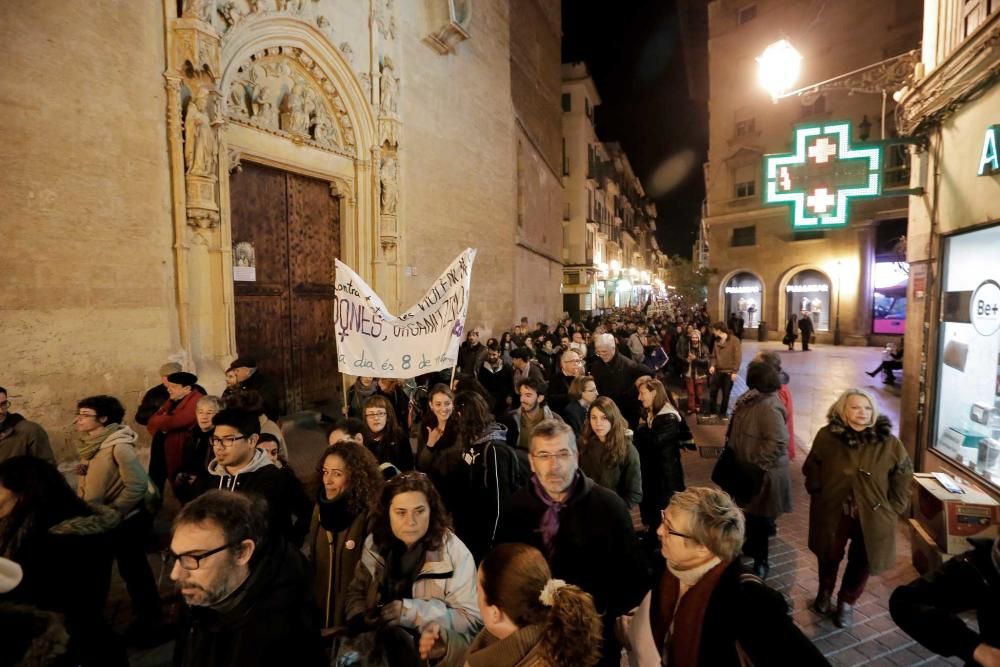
(824, 173)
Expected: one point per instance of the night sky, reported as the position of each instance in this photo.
(636, 58)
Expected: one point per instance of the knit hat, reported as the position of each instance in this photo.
(170, 367)
(183, 379)
(10, 575)
(242, 362)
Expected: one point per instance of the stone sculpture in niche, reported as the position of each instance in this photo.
(200, 145)
(230, 14)
(388, 87)
(390, 189)
(195, 9)
(294, 118)
(348, 52)
(254, 6)
(238, 99)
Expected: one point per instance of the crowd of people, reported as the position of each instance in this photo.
(533, 511)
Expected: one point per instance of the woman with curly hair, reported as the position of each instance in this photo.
(414, 570)
(383, 436)
(348, 483)
(530, 618)
(607, 454)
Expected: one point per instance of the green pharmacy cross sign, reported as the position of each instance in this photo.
(823, 174)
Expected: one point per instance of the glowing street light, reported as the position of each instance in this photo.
(778, 68)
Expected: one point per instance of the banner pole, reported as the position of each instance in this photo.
(343, 386)
(451, 382)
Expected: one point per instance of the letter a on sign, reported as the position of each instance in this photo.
(989, 162)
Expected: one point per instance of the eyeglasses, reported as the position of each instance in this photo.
(671, 531)
(226, 441)
(376, 413)
(563, 456)
(190, 561)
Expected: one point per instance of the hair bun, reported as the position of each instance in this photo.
(548, 594)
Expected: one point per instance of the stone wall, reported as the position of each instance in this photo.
(88, 300)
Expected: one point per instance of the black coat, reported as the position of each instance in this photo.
(806, 326)
(557, 395)
(575, 414)
(500, 384)
(595, 548)
(268, 390)
(927, 609)
(616, 380)
(152, 400)
(290, 510)
(396, 451)
(659, 448)
(270, 620)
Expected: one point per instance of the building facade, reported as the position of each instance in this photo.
(763, 269)
(181, 190)
(610, 254)
(952, 361)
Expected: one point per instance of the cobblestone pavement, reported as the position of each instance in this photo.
(817, 378)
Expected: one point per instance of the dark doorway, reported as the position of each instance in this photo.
(284, 306)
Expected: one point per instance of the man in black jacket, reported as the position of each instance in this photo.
(570, 366)
(583, 529)
(927, 609)
(249, 601)
(498, 378)
(249, 378)
(616, 375)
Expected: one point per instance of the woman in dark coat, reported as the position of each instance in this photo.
(858, 476)
(758, 435)
(661, 435)
(349, 485)
(383, 435)
(582, 392)
(607, 454)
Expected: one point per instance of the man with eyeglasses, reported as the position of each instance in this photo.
(239, 466)
(248, 595)
(570, 366)
(20, 437)
(583, 529)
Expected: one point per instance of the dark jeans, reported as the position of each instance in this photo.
(857, 570)
(720, 381)
(758, 532)
(805, 340)
(130, 552)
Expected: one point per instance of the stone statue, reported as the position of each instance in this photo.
(195, 9)
(254, 6)
(230, 14)
(323, 128)
(200, 146)
(348, 52)
(238, 99)
(263, 110)
(390, 190)
(388, 87)
(293, 114)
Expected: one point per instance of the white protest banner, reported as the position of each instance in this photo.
(371, 341)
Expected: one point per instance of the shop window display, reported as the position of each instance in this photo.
(809, 291)
(743, 296)
(968, 391)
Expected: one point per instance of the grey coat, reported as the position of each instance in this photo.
(759, 435)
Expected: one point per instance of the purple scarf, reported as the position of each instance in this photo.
(550, 520)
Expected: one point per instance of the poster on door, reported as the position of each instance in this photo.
(371, 341)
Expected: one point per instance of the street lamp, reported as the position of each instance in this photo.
(778, 68)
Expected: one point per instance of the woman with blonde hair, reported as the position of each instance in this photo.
(607, 454)
(531, 619)
(858, 476)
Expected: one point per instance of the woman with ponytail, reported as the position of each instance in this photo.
(531, 619)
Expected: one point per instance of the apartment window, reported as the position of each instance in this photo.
(744, 236)
(567, 101)
(974, 13)
(746, 127)
(572, 278)
(746, 14)
(745, 181)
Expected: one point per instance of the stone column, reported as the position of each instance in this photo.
(863, 304)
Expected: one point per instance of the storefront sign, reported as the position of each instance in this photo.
(989, 161)
(373, 341)
(984, 308)
(743, 289)
(823, 175)
(807, 288)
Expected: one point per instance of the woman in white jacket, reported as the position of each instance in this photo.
(413, 571)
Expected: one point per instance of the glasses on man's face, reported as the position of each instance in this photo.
(547, 457)
(190, 561)
(671, 531)
(226, 441)
(376, 414)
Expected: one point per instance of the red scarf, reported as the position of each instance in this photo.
(687, 617)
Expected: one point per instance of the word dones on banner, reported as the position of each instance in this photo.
(423, 339)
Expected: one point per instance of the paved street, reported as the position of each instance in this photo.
(817, 378)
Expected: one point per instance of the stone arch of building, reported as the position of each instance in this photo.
(353, 173)
(723, 315)
(786, 277)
